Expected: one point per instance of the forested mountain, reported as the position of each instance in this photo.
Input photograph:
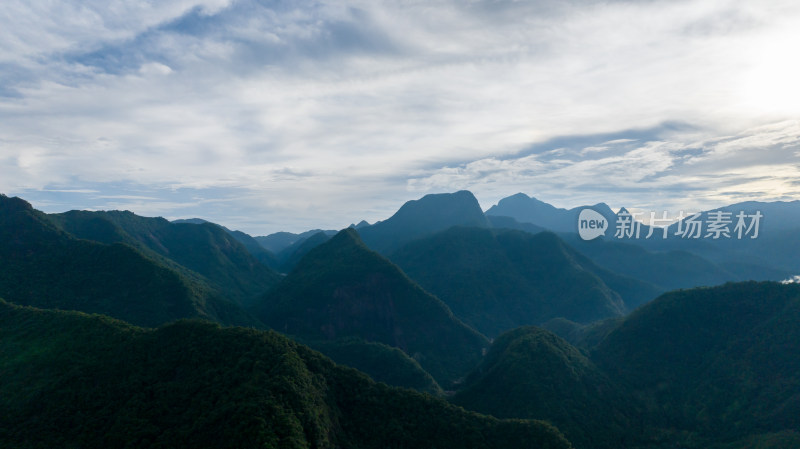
(72, 380)
(532, 373)
(381, 362)
(702, 368)
(252, 245)
(720, 363)
(43, 266)
(343, 289)
(496, 280)
(582, 336)
(425, 216)
(204, 248)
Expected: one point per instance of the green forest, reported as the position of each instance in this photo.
(132, 332)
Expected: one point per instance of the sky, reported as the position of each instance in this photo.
(290, 115)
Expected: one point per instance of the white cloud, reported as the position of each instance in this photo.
(757, 164)
(325, 103)
(792, 280)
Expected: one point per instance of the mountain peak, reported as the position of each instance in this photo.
(13, 204)
(521, 198)
(431, 213)
(347, 236)
(527, 209)
(462, 201)
(518, 196)
(360, 224)
(342, 289)
(190, 221)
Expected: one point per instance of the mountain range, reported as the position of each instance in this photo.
(641, 344)
(674, 262)
(526, 209)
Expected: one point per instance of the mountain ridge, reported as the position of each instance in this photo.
(417, 218)
(343, 289)
(210, 250)
(42, 265)
(496, 280)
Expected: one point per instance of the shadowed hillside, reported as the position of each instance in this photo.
(72, 380)
(532, 373)
(496, 280)
(342, 289)
(204, 248)
(721, 362)
(43, 266)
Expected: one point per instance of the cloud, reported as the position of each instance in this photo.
(350, 107)
(757, 164)
(792, 280)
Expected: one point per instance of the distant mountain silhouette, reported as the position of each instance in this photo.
(72, 380)
(666, 269)
(527, 209)
(43, 266)
(531, 373)
(425, 216)
(496, 280)
(292, 254)
(206, 248)
(342, 289)
(279, 241)
(501, 222)
(261, 254)
(674, 262)
(772, 253)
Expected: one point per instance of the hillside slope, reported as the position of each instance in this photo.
(721, 361)
(343, 289)
(496, 280)
(43, 266)
(204, 248)
(531, 373)
(72, 380)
